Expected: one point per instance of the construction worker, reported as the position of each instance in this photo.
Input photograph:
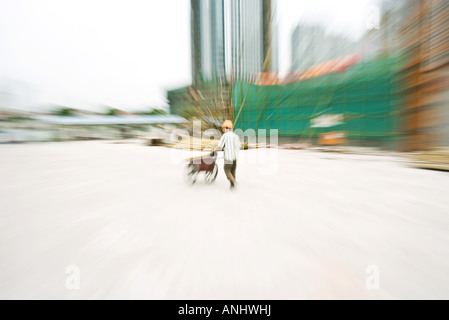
(230, 144)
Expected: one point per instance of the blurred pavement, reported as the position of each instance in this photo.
(123, 215)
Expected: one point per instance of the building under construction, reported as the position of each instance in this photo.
(424, 39)
(360, 99)
(397, 99)
(394, 97)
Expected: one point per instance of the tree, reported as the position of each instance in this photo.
(112, 112)
(64, 112)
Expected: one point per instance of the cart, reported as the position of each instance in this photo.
(204, 163)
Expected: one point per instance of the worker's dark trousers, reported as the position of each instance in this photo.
(229, 169)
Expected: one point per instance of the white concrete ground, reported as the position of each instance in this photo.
(122, 214)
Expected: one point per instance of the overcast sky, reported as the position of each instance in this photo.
(126, 53)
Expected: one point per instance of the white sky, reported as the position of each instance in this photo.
(126, 53)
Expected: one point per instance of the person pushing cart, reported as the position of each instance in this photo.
(230, 144)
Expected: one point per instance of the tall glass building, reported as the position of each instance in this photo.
(253, 37)
(208, 40)
(232, 38)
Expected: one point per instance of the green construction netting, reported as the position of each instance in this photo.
(366, 94)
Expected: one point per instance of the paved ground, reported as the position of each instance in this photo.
(123, 216)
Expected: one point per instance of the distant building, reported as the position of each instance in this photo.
(208, 40)
(311, 45)
(386, 39)
(253, 37)
(109, 127)
(232, 38)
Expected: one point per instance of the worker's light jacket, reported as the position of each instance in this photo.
(230, 143)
